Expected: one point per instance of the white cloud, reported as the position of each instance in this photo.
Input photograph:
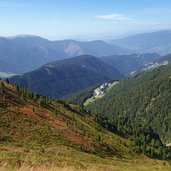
(114, 17)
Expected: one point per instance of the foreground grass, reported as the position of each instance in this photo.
(117, 166)
(69, 159)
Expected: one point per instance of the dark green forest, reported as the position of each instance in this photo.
(145, 99)
(61, 78)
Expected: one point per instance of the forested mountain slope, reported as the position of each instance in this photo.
(64, 77)
(144, 98)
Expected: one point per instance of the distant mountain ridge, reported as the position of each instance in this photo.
(165, 60)
(158, 42)
(129, 64)
(64, 77)
(96, 48)
(21, 54)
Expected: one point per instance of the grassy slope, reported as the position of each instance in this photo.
(36, 136)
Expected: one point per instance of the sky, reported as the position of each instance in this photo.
(83, 19)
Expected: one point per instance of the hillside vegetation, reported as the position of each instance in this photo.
(40, 134)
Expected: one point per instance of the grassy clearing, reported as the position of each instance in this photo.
(112, 85)
(92, 99)
(88, 101)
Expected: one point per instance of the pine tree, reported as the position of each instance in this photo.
(7, 81)
(1, 87)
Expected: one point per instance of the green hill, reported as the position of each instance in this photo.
(61, 78)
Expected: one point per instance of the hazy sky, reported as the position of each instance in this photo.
(83, 19)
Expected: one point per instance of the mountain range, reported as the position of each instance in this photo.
(21, 54)
(154, 42)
